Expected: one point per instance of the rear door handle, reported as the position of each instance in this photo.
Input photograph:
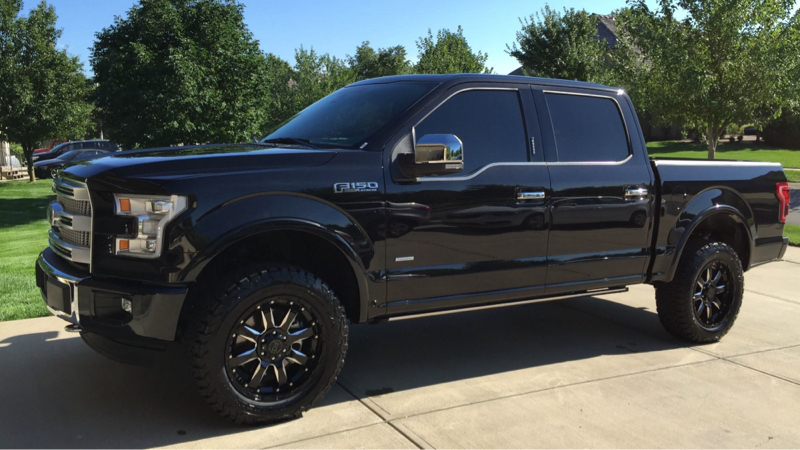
(635, 192)
(539, 195)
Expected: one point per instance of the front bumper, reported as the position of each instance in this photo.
(96, 305)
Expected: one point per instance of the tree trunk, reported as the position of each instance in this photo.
(27, 150)
(712, 139)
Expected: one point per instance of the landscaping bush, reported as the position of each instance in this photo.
(784, 131)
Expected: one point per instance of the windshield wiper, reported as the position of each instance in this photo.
(290, 140)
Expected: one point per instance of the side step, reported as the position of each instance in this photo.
(613, 290)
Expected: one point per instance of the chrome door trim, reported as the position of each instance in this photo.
(540, 163)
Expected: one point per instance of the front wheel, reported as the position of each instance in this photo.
(702, 301)
(268, 346)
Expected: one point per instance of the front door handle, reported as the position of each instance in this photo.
(539, 195)
(635, 192)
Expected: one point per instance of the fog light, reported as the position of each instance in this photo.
(127, 306)
(150, 245)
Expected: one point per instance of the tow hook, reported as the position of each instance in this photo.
(72, 328)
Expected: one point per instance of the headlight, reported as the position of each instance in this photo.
(152, 214)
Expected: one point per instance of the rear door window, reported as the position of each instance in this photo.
(587, 128)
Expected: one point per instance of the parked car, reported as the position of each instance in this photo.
(53, 143)
(93, 144)
(255, 257)
(48, 167)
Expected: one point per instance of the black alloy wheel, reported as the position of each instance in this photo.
(265, 342)
(712, 297)
(703, 299)
(273, 350)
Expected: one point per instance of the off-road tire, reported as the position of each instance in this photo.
(674, 300)
(214, 315)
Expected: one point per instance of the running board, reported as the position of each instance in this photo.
(512, 303)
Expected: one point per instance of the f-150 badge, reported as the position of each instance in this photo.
(356, 186)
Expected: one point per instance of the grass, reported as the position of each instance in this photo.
(793, 175)
(23, 234)
(793, 231)
(746, 151)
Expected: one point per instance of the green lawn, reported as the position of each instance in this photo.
(793, 231)
(746, 151)
(23, 234)
(793, 175)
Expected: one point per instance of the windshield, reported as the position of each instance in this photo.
(70, 155)
(350, 115)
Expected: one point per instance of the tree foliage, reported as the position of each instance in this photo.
(292, 88)
(370, 63)
(180, 71)
(449, 52)
(727, 62)
(561, 45)
(43, 92)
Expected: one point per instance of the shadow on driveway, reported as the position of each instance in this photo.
(56, 392)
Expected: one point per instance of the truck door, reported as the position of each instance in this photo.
(601, 204)
(476, 236)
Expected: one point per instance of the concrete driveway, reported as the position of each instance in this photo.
(588, 372)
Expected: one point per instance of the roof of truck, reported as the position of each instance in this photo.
(482, 78)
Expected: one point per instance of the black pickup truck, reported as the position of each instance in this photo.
(390, 197)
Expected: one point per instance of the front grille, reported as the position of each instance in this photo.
(72, 206)
(80, 238)
(71, 236)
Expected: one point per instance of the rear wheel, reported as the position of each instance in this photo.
(269, 345)
(702, 301)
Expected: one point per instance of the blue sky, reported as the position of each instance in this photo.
(338, 27)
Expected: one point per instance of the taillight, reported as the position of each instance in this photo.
(782, 191)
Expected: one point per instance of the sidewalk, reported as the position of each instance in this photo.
(587, 372)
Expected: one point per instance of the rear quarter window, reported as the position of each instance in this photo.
(587, 128)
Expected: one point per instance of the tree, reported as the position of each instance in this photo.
(369, 63)
(449, 52)
(43, 92)
(561, 45)
(180, 71)
(293, 88)
(725, 63)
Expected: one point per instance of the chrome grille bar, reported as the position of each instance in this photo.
(71, 221)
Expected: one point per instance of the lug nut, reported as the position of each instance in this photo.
(273, 358)
(272, 302)
(262, 353)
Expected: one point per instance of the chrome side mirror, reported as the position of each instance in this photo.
(434, 154)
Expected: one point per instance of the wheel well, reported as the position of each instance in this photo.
(299, 248)
(723, 228)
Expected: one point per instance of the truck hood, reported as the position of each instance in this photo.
(151, 167)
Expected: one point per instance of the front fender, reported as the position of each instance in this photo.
(217, 229)
(717, 200)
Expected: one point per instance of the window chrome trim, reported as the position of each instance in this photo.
(621, 116)
(538, 163)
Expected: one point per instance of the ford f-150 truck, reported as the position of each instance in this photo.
(392, 197)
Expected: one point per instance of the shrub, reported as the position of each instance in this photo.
(784, 131)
